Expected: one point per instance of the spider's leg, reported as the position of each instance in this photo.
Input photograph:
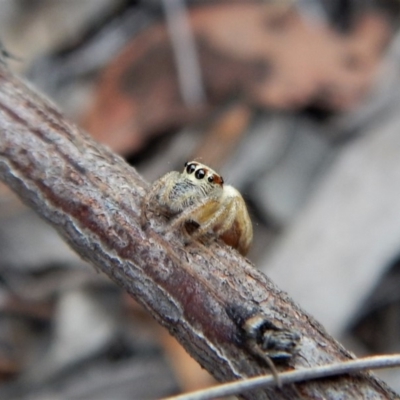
(199, 213)
(220, 221)
(156, 197)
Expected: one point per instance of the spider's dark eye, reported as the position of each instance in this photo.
(200, 173)
(190, 168)
(211, 178)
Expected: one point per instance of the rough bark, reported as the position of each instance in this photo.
(92, 197)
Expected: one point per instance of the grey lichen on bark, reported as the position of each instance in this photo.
(93, 198)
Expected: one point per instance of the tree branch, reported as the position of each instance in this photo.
(93, 198)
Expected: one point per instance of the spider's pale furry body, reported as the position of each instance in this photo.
(198, 196)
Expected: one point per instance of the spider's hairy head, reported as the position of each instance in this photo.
(202, 176)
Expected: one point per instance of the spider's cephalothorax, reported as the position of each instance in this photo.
(198, 195)
(194, 184)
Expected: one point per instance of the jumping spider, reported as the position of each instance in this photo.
(198, 201)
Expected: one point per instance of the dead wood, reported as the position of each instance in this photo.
(92, 197)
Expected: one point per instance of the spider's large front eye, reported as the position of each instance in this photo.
(200, 173)
(190, 168)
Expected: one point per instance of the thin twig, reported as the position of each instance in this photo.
(236, 388)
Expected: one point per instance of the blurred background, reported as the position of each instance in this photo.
(296, 103)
